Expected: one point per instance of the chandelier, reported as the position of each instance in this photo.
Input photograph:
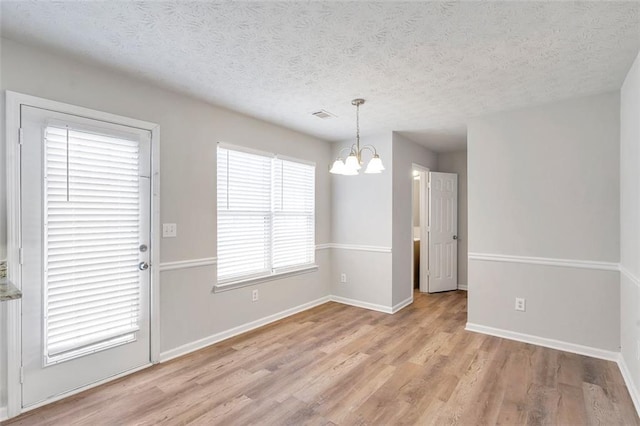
(353, 163)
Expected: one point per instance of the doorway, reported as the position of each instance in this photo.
(420, 228)
(434, 230)
(83, 204)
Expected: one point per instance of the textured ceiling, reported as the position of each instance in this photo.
(424, 68)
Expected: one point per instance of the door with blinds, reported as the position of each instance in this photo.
(85, 230)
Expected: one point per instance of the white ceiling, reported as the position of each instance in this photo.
(424, 68)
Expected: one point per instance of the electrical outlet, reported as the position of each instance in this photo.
(520, 304)
(343, 278)
(169, 230)
(254, 295)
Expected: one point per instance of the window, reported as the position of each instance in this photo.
(266, 215)
(92, 214)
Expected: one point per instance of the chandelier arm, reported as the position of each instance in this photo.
(370, 148)
(350, 150)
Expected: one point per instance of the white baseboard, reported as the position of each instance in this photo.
(462, 287)
(218, 337)
(3, 414)
(631, 387)
(404, 303)
(361, 304)
(543, 341)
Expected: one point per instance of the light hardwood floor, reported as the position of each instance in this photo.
(337, 364)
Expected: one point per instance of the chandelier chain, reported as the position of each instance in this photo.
(358, 128)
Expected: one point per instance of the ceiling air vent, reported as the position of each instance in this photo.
(323, 114)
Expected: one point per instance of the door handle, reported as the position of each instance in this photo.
(143, 266)
(455, 237)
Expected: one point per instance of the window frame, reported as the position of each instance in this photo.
(272, 274)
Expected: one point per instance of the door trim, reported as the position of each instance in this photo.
(13, 101)
(424, 224)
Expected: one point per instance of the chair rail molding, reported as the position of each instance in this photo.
(189, 263)
(548, 261)
(627, 273)
(359, 247)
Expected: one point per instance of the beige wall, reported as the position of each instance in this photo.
(630, 221)
(189, 132)
(406, 153)
(456, 162)
(361, 216)
(375, 210)
(544, 182)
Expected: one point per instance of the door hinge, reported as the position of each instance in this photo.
(20, 136)
(21, 374)
(20, 256)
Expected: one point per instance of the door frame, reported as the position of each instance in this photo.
(13, 102)
(424, 222)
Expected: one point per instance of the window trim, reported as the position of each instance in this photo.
(253, 280)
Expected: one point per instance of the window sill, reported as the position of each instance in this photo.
(232, 285)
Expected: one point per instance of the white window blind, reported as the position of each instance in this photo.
(266, 214)
(92, 217)
(293, 214)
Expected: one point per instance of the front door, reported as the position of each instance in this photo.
(443, 228)
(85, 231)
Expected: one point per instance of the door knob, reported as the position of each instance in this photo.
(455, 237)
(143, 266)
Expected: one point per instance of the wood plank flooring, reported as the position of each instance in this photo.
(336, 364)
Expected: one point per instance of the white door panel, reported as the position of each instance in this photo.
(86, 201)
(443, 244)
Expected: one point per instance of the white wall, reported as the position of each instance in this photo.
(630, 221)
(361, 216)
(456, 162)
(189, 132)
(544, 182)
(405, 154)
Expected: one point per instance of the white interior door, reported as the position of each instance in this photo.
(85, 231)
(443, 228)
